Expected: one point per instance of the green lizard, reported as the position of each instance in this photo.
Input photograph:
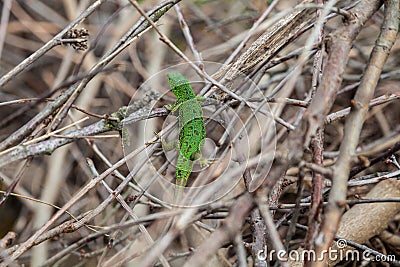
(192, 132)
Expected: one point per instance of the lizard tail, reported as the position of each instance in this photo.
(183, 178)
(183, 170)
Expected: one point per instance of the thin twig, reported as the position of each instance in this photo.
(49, 45)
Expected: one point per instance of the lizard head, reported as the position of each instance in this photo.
(176, 80)
(180, 86)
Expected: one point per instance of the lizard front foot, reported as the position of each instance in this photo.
(165, 145)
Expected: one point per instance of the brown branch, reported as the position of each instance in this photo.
(273, 234)
(355, 121)
(49, 45)
(331, 78)
(105, 125)
(374, 102)
(320, 105)
(231, 226)
(315, 213)
(381, 157)
(257, 224)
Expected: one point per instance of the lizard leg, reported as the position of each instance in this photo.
(200, 98)
(174, 107)
(205, 162)
(198, 158)
(166, 146)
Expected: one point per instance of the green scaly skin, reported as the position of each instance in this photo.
(192, 130)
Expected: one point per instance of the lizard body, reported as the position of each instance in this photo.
(191, 126)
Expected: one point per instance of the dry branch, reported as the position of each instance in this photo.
(355, 122)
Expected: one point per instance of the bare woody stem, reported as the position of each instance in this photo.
(355, 122)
